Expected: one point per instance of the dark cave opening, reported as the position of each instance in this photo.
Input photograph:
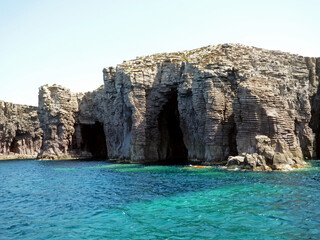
(172, 150)
(93, 139)
(14, 146)
(232, 137)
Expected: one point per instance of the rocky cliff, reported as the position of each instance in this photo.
(56, 114)
(227, 104)
(212, 103)
(20, 132)
(71, 123)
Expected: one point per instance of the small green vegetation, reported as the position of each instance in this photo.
(101, 87)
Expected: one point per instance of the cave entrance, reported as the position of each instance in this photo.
(15, 145)
(93, 139)
(172, 149)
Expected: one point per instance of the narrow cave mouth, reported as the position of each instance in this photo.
(93, 139)
(233, 151)
(14, 146)
(172, 150)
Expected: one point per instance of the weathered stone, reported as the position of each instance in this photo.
(20, 132)
(203, 105)
(70, 122)
(234, 162)
(226, 96)
(56, 114)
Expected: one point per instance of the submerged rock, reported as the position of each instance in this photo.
(235, 162)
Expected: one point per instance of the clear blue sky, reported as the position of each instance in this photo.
(70, 42)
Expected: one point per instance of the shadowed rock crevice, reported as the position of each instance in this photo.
(233, 139)
(18, 144)
(315, 110)
(90, 138)
(93, 139)
(172, 149)
(20, 133)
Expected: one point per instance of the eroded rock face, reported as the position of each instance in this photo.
(57, 107)
(90, 137)
(225, 97)
(231, 104)
(261, 109)
(199, 86)
(20, 132)
(72, 123)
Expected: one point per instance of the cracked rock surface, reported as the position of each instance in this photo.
(228, 98)
(20, 132)
(227, 104)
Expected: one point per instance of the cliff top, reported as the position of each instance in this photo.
(203, 56)
(4, 104)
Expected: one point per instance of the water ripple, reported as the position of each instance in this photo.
(100, 200)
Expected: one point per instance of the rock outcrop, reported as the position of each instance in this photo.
(20, 132)
(228, 104)
(215, 102)
(71, 123)
(56, 109)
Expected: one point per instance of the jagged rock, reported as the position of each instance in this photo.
(230, 103)
(20, 132)
(56, 109)
(70, 122)
(89, 127)
(223, 97)
(234, 162)
(267, 155)
(195, 97)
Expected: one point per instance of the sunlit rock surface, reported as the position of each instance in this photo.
(72, 123)
(224, 97)
(228, 104)
(20, 132)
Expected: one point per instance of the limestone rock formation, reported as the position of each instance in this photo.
(20, 132)
(89, 134)
(173, 106)
(56, 114)
(69, 121)
(211, 103)
(227, 104)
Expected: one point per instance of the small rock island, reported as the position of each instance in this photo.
(230, 104)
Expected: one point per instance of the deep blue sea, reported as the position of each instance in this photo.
(101, 200)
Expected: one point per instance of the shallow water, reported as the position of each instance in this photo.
(101, 200)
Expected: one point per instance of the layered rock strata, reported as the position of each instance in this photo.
(69, 122)
(243, 106)
(225, 97)
(20, 132)
(56, 114)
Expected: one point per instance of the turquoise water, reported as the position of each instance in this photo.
(101, 200)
